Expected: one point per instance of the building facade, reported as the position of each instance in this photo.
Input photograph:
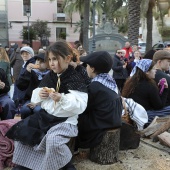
(3, 23)
(52, 12)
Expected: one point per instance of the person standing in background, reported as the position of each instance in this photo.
(120, 72)
(128, 49)
(16, 62)
(5, 64)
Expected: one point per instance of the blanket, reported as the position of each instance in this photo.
(6, 145)
(136, 112)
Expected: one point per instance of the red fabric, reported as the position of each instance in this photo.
(6, 145)
(128, 51)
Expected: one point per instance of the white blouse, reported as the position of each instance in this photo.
(70, 105)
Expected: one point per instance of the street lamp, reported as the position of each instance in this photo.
(93, 42)
(28, 15)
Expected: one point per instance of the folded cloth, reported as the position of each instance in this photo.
(6, 145)
(136, 112)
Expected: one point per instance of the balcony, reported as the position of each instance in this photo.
(60, 17)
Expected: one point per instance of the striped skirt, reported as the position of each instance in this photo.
(51, 154)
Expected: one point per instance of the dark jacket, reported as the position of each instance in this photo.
(118, 71)
(3, 78)
(16, 63)
(103, 112)
(6, 67)
(147, 95)
(28, 81)
(18, 94)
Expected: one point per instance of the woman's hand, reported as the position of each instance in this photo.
(31, 105)
(74, 64)
(55, 96)
(2, 85)
(165, 82)
(29, 67)
(43, 94)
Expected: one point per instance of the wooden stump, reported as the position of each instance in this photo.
(107, 151)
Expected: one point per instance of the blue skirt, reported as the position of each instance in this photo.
(160, 113)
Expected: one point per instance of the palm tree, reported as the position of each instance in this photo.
(133, 21)
(149, 21)
(86, 25)
(71, 6)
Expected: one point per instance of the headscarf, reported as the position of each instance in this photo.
(143, 64)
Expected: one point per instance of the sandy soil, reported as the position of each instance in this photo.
(149, 156)
(146, 157)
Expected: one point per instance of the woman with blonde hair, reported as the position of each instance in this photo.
(5, 64)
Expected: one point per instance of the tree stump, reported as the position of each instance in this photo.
(107, 151)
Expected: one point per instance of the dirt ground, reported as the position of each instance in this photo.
(149, 156)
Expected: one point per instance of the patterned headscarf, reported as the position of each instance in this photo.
(143, 64)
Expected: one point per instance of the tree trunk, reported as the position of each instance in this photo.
(133, 21)
(81, 30)
(86, 25)
(107, 151)
(149, 21)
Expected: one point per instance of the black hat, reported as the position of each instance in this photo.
(100, 60)
(40, 56)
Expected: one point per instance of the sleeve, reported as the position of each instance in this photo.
(23, 81)
(13, 59)
(73, 103)
(157, 102)
(5, 80)
(9, 74)
(115, 66)
(35, 98)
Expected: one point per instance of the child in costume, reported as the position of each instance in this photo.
(41, 138)
(104, 106)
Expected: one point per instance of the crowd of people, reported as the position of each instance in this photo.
(64, 92)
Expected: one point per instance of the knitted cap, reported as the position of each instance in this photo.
(27, 49)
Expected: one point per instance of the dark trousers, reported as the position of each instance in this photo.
(8, 107)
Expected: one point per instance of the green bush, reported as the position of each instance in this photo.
(165, 31)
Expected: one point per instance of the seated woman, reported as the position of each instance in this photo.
(7, 106)
(104, 106)
(42, 137)
(142, 89)
(30, 80)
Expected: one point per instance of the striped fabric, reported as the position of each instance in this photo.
(51, 154)
(106, 80)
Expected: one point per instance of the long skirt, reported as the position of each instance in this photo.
(160, 113)
(51, 154)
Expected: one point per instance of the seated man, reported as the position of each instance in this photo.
(8, 108)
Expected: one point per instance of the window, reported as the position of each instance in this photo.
(26, 6)
(61, 33)
(59, 8)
